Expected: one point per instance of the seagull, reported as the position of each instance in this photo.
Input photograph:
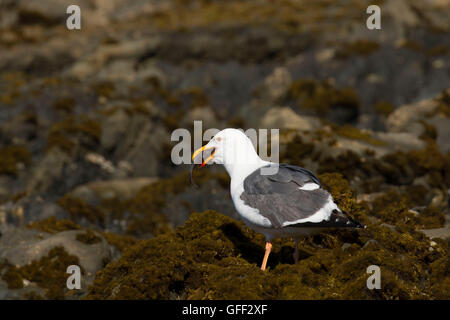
(275, 199)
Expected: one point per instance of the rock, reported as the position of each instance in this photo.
(345, 246)
(415, 117)
(141, 145)
(94, 192)
(400, 141)
(5, 191)
(48, 170)
(139, 69)
(369, 242)
(443, 233)
(325, 55)
(28, 209)
(367, 197)
(286, 118)
(116, 57)
(402, 12)
(442, 126)
(205, 114)
(403, 119)
(17, 294)
(22, 246)
(48, 11)
(387, 225)
(113, 128)
(118, 70)
(57, 172)
(276, 84)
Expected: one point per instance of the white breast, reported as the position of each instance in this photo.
(247, 213)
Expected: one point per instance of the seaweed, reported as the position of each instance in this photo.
(384, 108)
(11, 156)
(438, 50)
(64, 104)
(197, 97)
(215, 257)
(393, 207)
(119, 241)
(104, 89)
(343, 194)
(178, 261)
(444, 103)
(89, 237)
(11, 275)
(440, 278)
(49, 272)
(13, 83)
(348, 163)
(53, 225)
(359, 47)
(397, 168)
(321, 97)
(429, 131)
(351, 132)
(297, 150)
(79, 209)
(74, 131)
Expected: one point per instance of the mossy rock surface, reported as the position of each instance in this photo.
(215, 257)
(79, 209)
(49, 273)
(322, 97)
(53, 225)
(11, 157)
(74, 132)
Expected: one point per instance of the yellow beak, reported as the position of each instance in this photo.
(200, 150)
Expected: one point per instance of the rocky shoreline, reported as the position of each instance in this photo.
(86, 118)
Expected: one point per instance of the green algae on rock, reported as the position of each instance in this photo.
(296, 150)
(11, 156)
(120, 242)
(358, 47)
(89, 237)
(74, 131)
(49, 273)
(170, 264)
(104, 89)
(384, 108)
(340, 190)
(395, 208)
(64, 104)
(351, 132)
(321, 97)
(398, 168)
(215, 257)
(53, 225)
(79, 209)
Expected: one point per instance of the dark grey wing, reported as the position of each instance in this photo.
(278, 197)
(286, 178)
(300, 175)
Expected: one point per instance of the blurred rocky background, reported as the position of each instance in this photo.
(86, 118)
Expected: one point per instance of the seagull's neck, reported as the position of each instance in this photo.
(246, 164)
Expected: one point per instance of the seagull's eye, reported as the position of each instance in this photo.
(218, 139)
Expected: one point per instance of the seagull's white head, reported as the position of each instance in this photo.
(233, 149)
